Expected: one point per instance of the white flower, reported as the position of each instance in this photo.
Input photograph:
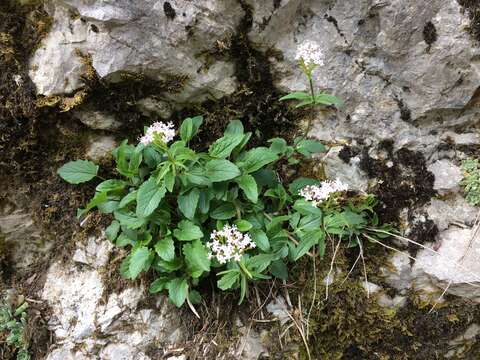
(311, 53)
(166, 133)
(318, 193)
(228, 244)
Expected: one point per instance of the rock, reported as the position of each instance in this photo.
(81, 311)
(400, 275)
(250, 345)
(278, 308)
(95, 253)
(461, 343)
(21, 237)
(97, 120)
(152, 106)
(450, 211)
(349, 173)
(113, 33)
(101, 147)
(447, 176)
(455, 264)
(377, 60)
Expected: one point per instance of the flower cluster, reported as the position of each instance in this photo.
(228, 244)
(164, 132)
(319, 193)
(310, 53)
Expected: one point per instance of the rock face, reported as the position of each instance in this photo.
(102, 325)
(157, 38)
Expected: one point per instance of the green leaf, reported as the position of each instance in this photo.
(310, 222)
(196, 175)
(127, 199)
(187, 231)
(223, 147)
(243, 225)
(149, 197)
(224, 212)
(304, 103)
(300, 183)
(196, 258)
(128, 219)
(98, 199)
(123, 240)
(260, 262)
(112, 230)
(296, 95)
(266, 177)
(307, 241)
(228, 280)
(328, 99)
(305, 207)
(187, 203)
(194, 297)
(260, 239)
(140, 260)
(279, 269)
(234, 127)
(177, 291)
(249, 186)
(165, 248)
(189, 127)
(169, 180)
(221, 170)
(278, 145)
(111, 185)
(76, 172)
(108, 206)
(256, 158)
(308, 147)
(135, 159)
(159, 284)
(168, 266)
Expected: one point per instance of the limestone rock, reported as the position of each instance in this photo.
(447, 175)
(456, 264)
(82, 311)
(400, 275)
(100, 147)
(97, 120)
(158, 39)
(450, 211)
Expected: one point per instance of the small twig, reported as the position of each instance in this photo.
(331, 268)
(364, 267)
(190, 305)
(302, 334)
(287, 295)
(351, 270)
(314, 293)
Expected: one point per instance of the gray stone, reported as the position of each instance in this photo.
(278, 308)
(454, 264)
(152, 106)
(351, 174)
(399, 275)
(94, 253)
(100, 147)
(138, 36)
(447, 176)
(451, 211)
(97, 120)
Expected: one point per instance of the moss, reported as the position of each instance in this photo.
(472, 7)
(348, 325)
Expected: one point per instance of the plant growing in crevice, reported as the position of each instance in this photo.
(185, 214)
(310, 56)
(12, 329)
(471, 181)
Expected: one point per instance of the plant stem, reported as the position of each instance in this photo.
(245, 270)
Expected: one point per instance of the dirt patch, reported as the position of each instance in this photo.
(403, 179)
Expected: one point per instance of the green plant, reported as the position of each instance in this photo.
(310, 56)
(12, 325)
(185, 214)
(471, 181)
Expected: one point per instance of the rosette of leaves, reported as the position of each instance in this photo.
(169, 198)
(12, 324)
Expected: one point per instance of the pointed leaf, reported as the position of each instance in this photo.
(76, 172)
(149, 197)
